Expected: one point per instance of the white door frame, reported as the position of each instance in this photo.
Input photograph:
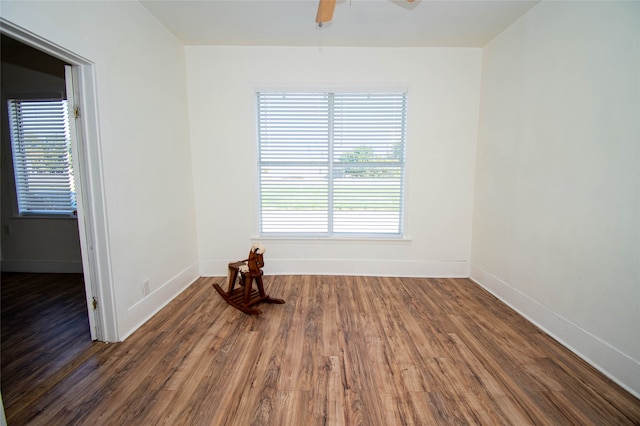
(92, 215)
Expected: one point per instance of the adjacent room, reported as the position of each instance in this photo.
(446, 194)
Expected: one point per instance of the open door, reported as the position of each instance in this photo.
(78, 156)
(90, 197)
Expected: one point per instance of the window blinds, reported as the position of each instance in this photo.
(331, 163)
(41, 149)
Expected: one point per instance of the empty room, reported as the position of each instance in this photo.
(445, 195)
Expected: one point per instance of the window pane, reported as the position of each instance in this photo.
(369, 127)
(368, 155)
(294, 199)
(41, 148)
(369, 202)
(293, 128)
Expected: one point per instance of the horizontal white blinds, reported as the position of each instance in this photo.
(331, 163)
(293, 127)
(42, 156)
(368, 158)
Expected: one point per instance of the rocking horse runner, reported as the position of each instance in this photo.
(245, 272)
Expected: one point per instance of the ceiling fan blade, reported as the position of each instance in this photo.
(325, 11)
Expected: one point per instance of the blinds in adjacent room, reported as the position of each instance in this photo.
(41, 150)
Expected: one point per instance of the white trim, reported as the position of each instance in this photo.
(151, 304)
(27, 37)
(353, 267)
(619, 367)
(332, 87)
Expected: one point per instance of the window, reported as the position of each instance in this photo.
(41, 147)
(331, 164)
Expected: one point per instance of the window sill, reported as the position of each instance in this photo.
(44, 216)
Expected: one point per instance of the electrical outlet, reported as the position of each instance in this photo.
(6, 229)
(145, 287)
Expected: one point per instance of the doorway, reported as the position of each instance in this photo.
(33, 90)
(45, 319)
(34, 85)
(91, 208)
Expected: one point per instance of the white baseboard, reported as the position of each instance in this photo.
(361, 267)
(42, 267)
(151, 304)
(616, 365)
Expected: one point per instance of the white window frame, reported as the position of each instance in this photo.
(331, 168)
(58, 188)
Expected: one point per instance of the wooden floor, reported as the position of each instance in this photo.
(44, 329)
(342, 350)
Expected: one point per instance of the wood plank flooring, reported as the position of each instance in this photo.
(45, 329)
(341, 351)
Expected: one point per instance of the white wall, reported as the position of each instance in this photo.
(556, 229)
(443, 98)
(143, 142)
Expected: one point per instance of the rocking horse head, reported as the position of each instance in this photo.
(256, 261)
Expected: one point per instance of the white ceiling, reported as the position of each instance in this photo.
(374, 23)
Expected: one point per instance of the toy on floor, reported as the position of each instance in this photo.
(245, 273)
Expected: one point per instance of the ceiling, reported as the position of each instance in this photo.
(365, 23)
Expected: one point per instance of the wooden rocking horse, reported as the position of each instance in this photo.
(245, 273)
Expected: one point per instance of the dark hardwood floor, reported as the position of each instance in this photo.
(342, 350)
(44, 329)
